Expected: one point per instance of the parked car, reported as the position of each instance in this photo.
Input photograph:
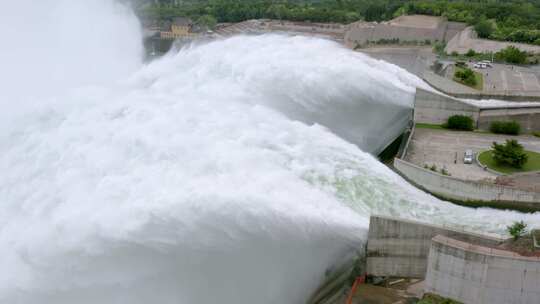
(480, 65)
(468, 157)
(487, 63)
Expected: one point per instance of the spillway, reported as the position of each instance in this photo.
(232, 171)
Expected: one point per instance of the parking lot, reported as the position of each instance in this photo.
(507, 78)
(445, 149)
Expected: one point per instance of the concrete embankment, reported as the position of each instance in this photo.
(433, 108)
(474, 274)
(400, 248)
(471, 193)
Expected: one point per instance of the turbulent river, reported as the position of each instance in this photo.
(233, 171)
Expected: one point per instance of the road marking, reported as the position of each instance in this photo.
(522, 80)
(503, 77)
(536, 80)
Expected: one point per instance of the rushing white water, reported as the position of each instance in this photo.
(216, 174)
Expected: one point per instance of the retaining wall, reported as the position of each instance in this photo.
(400, 248)
(474, 274)
(457, 90)
(453, 188)
(517, 96)
(433, 108)
(527, 117)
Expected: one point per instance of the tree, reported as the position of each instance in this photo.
(277, 11)
(484, 28)
(466, 76)
(207, 21)
(517, 229)
(470, 53)
(511, 54)
(511, 153)
(438, 47)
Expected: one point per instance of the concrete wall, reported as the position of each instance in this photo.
(528, 118)
(454, 188)
(363, 33)
(412, 29)
(400, 248)
(479, 275)
(517, 96)
(434, 108)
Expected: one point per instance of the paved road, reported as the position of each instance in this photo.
(442, 148)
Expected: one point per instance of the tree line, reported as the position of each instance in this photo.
(509, 20)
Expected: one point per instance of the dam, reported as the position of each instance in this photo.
(233, 171)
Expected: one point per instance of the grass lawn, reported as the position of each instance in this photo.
(479, 79)
(533, 164)
(429, 126)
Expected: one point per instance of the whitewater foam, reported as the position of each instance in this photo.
(215, 174)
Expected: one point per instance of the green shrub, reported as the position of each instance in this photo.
(517, 229)
(430, 298)
(466, 76)
(438, 47)
(536, 133)
(512, 54)
(460, 122)
(470, 53)
(445, 172)
(505, 127)
(511, 153)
